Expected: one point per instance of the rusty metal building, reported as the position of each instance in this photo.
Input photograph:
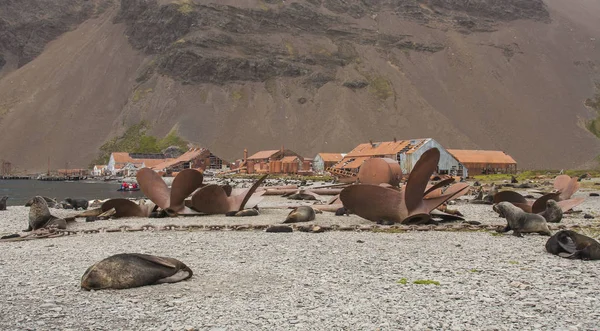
(195, 158)
(281, 161)
(485, 162)
(406, 152)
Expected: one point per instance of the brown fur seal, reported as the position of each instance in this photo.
(572, 245)
(520, 221)
(123, 271)
(40, 217)
(3, 203)
(279, 229)
(49, 201)
(78, 203)
(244, 212)
(553, 213)
(301, 214)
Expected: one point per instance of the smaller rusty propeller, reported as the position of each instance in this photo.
(171, 200)
(565, 187)
(128, 208)
(407, 205)
(212, 199)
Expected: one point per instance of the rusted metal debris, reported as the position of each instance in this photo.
(376, 171)
(564, 188)
(453, 227)
(207, 199)
(172, 201)
(212, 199)
(408, 205)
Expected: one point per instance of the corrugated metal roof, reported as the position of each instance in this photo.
(352, 164)
(384, 148)
(289, 159)
(331, 157)
(185, 157)
(478, 156)
(122, 158)
(263, 155)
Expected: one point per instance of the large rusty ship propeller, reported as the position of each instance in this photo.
(212, 199)
(564, 187)
(172, 201)
(407, 205)
(128, 208)
(376, 171)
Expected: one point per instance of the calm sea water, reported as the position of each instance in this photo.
(19, 191)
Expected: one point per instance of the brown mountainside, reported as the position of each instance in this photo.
(313, 75)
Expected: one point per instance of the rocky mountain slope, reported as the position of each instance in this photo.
(313, 75)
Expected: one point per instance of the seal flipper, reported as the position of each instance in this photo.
(156, 259)
(177, 277)
(566, 242)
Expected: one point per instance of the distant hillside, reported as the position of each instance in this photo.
(313, 75)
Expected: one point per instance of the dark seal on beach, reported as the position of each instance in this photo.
(77, 203)
(301, 214)
(244, 212)
(279, 229)
(572, 245)
(123, 271)
(49, 201)
(553, 212)
(521, 222)
(40, 217)
(3, 203)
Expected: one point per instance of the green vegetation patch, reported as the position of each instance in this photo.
(185, 7)
(594, 103)
(136, 140)
(404, 281)
(140, 93)
(381, 87)
(426, 282)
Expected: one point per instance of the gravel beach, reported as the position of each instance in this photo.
(252, 280)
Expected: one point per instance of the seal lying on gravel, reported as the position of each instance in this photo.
(3, 203)
(520, 221)
(553, 212)
(77, 203)
(40, 217)
(244, 212)
(572, 245)
(301, 214)
(123, 271)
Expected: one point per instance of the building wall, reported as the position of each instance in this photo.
(447, 162)
(111, 164)
(318, 164)
(480, 168)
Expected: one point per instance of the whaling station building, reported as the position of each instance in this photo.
(485, 162)
(406, 152)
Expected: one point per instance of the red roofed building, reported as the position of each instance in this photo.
(485, 162)
(406, 152)
(119, 160)
(195, 158)
(271, 161)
